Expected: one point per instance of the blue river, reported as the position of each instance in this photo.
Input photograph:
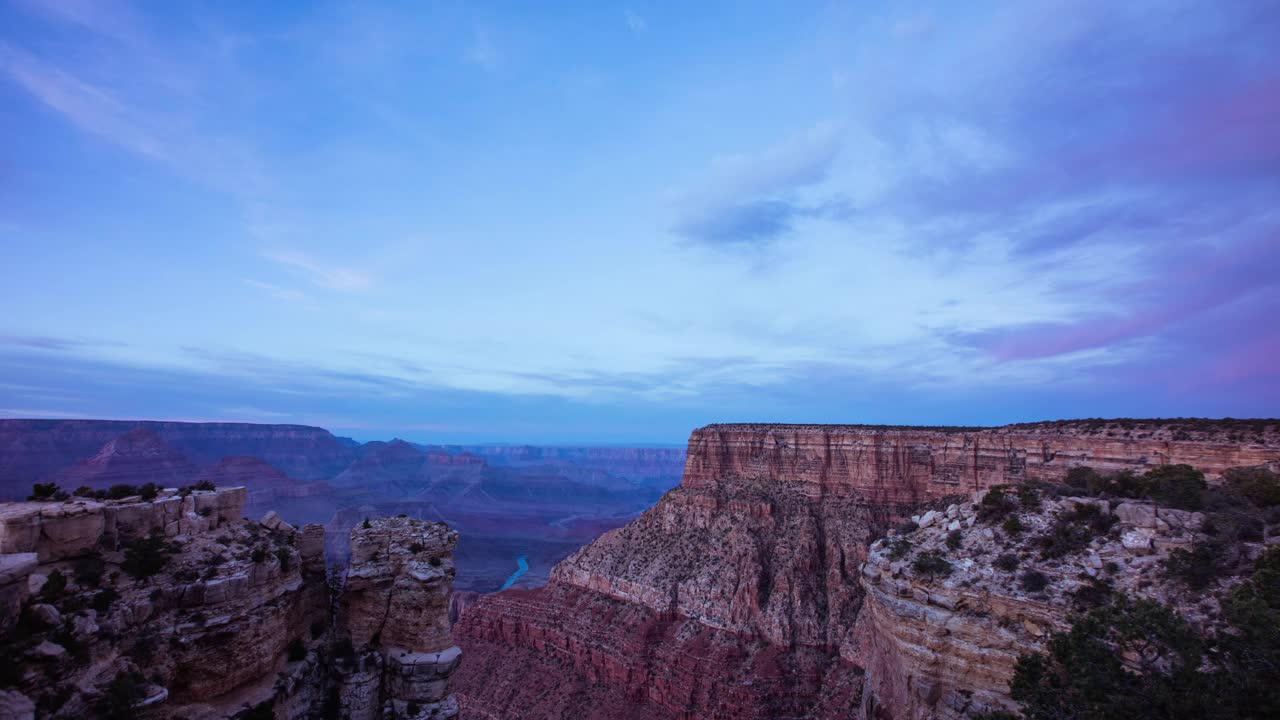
(523, 567)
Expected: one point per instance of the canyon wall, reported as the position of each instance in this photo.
(35, 450)
(739, 595)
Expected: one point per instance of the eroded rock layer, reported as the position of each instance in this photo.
(738, 595)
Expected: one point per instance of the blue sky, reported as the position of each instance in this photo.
(595, 222)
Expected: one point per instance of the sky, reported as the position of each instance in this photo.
(612, 223)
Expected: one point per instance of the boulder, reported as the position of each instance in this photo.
(1141, 515)
(49, 651)
(46, 614)
(1137, 541)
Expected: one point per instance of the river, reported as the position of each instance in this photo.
(522, 564)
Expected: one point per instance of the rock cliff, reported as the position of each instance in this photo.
(176, 607)
(393, 615)
(739, 595)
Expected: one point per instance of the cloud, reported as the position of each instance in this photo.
(325, 275)
(752, 199)
(636, 23)
(280, 293)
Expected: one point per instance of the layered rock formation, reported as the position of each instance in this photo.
(178, 608)
(738, 595)
(125, 459)
(394, 612)
(945, 647)
(36, 450)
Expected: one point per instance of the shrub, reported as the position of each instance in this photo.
(1092, 594)
(954, 540)
(55, 586)
(259, 554)
(994, 506)
(413, 708)
(1033, 581)
(1012, 525)
(906, 527)
(121, 694)
(1072, 531)
(435, 561)
(1083, 478)
(1259, 485)
(416, 548)
(1007, 562)
(1197, 567)
(317, 629)
(366, 524)
(297, 650)
(898, 548)
(88, 569)
(206, 485)
(931, 564)
(145, 557)
(1178, 486)
(42, 492)
(1029, 497)
(148, 491)
(285, 559)
(103, 599)
(119, 492)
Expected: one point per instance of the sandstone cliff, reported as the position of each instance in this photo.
(739, 595)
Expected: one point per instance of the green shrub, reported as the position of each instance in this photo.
(88, 569)
(1012, 525)
(1007, 562)
(206, 485)
(1072, 531)
(906, 527)
(1259, 485)
(259, 555)
(898, 548)
(1092, 594)
(43, 492)
(954, 540)
(1033, 581)
(285, 559)
(366, 524)
(995, 505)
(1177, 486)
(55, 586)
(931, 564)
(144, 557)
(121, 694)
(1197, 567)
(416, 548)
(435, 561)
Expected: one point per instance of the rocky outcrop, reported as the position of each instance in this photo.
(945, 647)
(61, 530)
(739, 595)
(394, 612)
(175, 607)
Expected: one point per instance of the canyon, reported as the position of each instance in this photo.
(505, 501)
(744, 592)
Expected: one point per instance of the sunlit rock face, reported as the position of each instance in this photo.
(739, 595)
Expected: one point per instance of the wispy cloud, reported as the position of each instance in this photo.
(753, 198)
(322, 274)
(280, 293)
